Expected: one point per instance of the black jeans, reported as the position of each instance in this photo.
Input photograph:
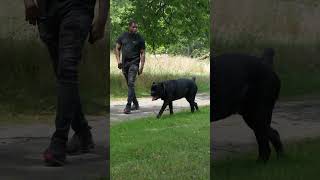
(130, 73)
(64, 27)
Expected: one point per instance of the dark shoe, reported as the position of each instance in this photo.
(80, 143)
(135, 107)
(53, 159)
(127, 110)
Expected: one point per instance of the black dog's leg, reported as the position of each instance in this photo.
(196, 105)
(263, 143)
(171, 107)
(191, 102)
(261, 132)
(165, 104)
(274, 137)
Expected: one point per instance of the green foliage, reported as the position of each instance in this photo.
(168, 26)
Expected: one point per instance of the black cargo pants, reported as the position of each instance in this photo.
(130, 72)
(64, 26)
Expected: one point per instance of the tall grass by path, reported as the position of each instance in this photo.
(274, 20)
(297, 65)
(290, 27)
(173, 147)
(301, 162)
(159, 68)
(28, 84)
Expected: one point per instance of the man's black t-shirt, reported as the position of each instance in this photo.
(131, 44)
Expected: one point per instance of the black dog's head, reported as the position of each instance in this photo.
(157, 90)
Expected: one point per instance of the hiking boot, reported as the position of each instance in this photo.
(55, 155)
(80, 143)
(52, 159)
(127, 110)
(135, 107)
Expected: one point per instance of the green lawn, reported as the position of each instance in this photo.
(301, 162)
(173, 147)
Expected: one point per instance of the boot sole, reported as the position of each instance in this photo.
(52, 162)
(81, 151)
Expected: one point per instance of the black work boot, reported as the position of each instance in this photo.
(127, 109)
(55, 154)
(135, 106)
(81, 142)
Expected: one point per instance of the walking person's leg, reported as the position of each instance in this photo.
(48, 26)
(135, 103)
(125, 72)
(132, 73)
(73, 30)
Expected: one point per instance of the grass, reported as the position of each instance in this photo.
(174, 147)
(28, 84)
(301, 162)
(295, 37)
(275, 20)
(158, 69)
(296, 64)
(28, 90)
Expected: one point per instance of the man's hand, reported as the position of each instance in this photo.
(143, 59)
(32, 11)
(140, 70)
(98, 27)
(97, 31)
(119, 65)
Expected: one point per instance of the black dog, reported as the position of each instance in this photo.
(247, 85)
(172, 90)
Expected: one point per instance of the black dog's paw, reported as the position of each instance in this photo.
(158, 116)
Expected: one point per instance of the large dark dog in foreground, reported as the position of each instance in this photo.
(172, 90)
(247, 85)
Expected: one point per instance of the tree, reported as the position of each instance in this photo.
(174, 26)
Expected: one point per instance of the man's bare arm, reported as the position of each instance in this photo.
(142, 60)
(31, 11)
(103, 11)
(117, 53)
(98, 26)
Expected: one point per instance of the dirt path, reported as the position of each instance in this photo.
(21, 150)
(21, 147)
(151, 108)
(294, 120)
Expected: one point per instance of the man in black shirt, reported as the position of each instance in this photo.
(132, 48)
(64, 26)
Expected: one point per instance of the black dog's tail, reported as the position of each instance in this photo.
(268, 55)
(194, 79)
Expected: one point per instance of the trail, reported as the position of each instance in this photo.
(294, 120)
